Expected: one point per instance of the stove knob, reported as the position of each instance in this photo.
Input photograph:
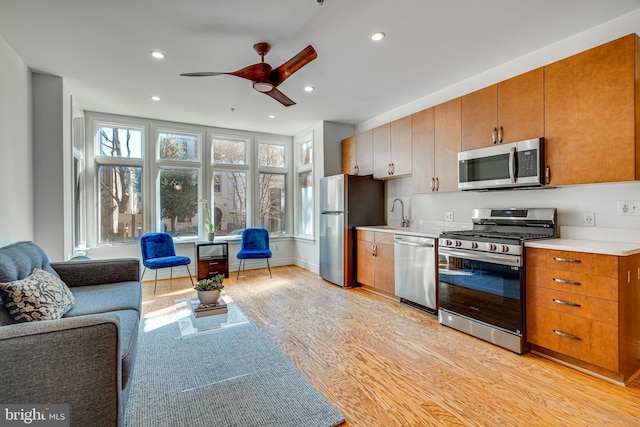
(492, 247)
(447, 242)
(505, 248)
(458, 243)
(474, 245)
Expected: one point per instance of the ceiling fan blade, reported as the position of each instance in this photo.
(259, 72)
(280, 97)
(281, 73)
(202, 74)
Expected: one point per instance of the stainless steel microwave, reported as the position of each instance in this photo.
(512, 165)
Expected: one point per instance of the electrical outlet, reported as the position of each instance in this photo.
(628, 207)
(589, 219)
(448, 216)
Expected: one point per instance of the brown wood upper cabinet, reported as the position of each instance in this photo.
(435, 145)
(357, 154)
(592, 115)
(392, 149)
(512, 110)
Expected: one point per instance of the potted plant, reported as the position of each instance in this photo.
(208, 223)
(209, 289)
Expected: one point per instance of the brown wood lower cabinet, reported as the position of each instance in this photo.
(375, 261)
(582, 309)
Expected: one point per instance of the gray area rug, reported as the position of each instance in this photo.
(233, 377)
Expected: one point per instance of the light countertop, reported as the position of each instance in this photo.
(430, 232)
(590, 246)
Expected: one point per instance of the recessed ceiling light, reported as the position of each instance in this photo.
(272, 116)
(155, 98)
(309, 88)
(157, 54)
(376, 37)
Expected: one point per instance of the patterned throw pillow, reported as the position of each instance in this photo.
(40, 296)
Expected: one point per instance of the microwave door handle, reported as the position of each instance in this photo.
(512, 165)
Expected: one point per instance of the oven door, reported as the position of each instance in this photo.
(485, 287)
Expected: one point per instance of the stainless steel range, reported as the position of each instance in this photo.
(481, 273)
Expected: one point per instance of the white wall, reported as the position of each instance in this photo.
(52, 165)
(16, 182)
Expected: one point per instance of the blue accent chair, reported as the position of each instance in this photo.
(158, 252)
(255, 244)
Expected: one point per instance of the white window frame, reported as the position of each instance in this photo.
(300, 169)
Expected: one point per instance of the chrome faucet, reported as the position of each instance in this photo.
(405, 221)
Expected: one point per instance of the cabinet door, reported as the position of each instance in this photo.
(364, 152)
(381, 151)
(349, 155)
(521, 107)
(401, 143)
(384, 269)
(365, 263)
(479, 118)
(590, 114)
(422, 148)
(447, 144)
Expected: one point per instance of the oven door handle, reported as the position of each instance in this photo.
(512, 165)
(511, 260)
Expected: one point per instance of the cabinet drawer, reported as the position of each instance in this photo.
(384, 238)
(587, 340)
(572, 282)
(575, 304)
(364, 235)
(211, 267)
(579, 262)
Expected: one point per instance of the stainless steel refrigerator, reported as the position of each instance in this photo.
(346, 201)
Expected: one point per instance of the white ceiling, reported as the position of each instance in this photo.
(102, 48)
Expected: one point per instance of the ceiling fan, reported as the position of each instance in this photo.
(265, 78)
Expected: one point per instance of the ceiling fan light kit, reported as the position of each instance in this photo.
(264, 77)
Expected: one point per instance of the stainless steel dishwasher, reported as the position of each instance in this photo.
(415, 271)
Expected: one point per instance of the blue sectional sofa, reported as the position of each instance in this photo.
(85, 358)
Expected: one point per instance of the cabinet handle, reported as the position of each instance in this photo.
(433, 188)
(393, 168)
(356, 170)
(500, 135)
(214, 263)
(437, 183)
(577, 261)
(562, 302)
(566, 282)
(566, 335)
(547, 174)
(373, 249)
(493, 135)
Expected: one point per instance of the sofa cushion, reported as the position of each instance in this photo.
(128, 341)
(105, 298)
(19, 259)
(39, 296)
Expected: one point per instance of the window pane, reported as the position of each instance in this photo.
(229, 201)
(306, 153)
(178, 147)
(272, 202)
(229, 151)
(120, 203)
(179, 202)
(305, 180)
(271, 155)
(120, 142)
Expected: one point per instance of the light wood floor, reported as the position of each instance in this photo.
(382, 363)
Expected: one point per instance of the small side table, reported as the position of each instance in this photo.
(212, 258)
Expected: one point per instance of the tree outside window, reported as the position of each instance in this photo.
(120, 186)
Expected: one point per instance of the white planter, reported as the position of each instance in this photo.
(209, 297)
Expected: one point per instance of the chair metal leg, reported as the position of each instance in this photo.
(239, 268)
(142, 275)
(171, 273)
(189, 271)
(269, 267)
(155, 282)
